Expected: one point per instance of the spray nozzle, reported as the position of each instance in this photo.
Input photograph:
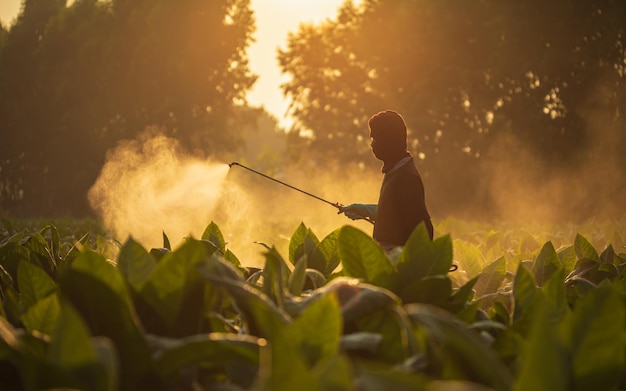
(233, 164)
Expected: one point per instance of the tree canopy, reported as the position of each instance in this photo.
(75, 79)
(476, 81)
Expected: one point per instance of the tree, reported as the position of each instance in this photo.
(466, 75)
(74, 80)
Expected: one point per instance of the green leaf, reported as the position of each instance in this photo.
(596, 337)
(303, 242)
(297, 277)
(491, 278)
(44, 315)
(334, 373)
(361, 342)
(262, 318)
(422, 258)
(237, 356)
(377, 310)
(275, 277)
(470, 257)
(568, 258)
(167, 285)
(302, 352)
(70, 346)
(95, 265)
(54, 245)
(461, 297)
(166, 242)
(316, 332)
(213, 234)
(434, 290)
(525, 297)
(584, 249)
(34, 283)
(11, 255)
(459, 351)
(372, 375)
(109, 314)
(72, 352)
(546, 263)
(135, 264)
(554, 291)
(40, 252)
(544, 359)
(325, 258)
(316, 278)
(363, 258)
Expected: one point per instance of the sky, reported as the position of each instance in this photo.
(275, 18)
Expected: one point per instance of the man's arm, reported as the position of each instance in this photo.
(359, 211)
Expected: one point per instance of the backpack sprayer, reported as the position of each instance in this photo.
(335, 204)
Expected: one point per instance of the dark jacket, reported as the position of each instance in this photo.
(401, 205)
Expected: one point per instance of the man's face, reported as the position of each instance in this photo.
(382, 148)
(375, 144)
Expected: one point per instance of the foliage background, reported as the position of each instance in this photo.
(512, 112)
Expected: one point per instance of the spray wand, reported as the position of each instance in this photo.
(335, 204)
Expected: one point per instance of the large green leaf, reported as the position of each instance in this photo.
(317, 330)
(334, 373)
(555, 291)
(422, 257)
(275, 277)
(461, 297)
(11, 255)
(325, 258)
(107, 313)
(303, 242)
(376, 310)
(363, 258)
(491, 278)
(596, 338)
(372, 375)
(40, 252)
(297, 277)
(70, 345)
(470, 257)
(434, 290)
(458, 351)
(261, 316)
(302, 353)
(584, 249)
(213, 234)
(44, 315)
(546, 263)
(525, 297)
(568, 258)
(34, 283)
(135, 264)
(95, 265)
(544, 365)
(167, 285)
(72, 353)
(236, 356)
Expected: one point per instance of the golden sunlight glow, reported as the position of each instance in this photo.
(275, 19)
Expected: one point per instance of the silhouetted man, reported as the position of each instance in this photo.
(401, 204)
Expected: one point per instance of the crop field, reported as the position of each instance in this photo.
(527, 308)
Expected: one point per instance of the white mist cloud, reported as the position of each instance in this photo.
(149, 186)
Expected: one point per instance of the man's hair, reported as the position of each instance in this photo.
(388, 125)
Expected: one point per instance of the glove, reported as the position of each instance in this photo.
(359, 211)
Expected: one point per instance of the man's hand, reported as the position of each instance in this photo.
(359, 211)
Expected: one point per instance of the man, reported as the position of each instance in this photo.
(401, 204)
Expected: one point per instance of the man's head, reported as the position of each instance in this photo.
(388, 133)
